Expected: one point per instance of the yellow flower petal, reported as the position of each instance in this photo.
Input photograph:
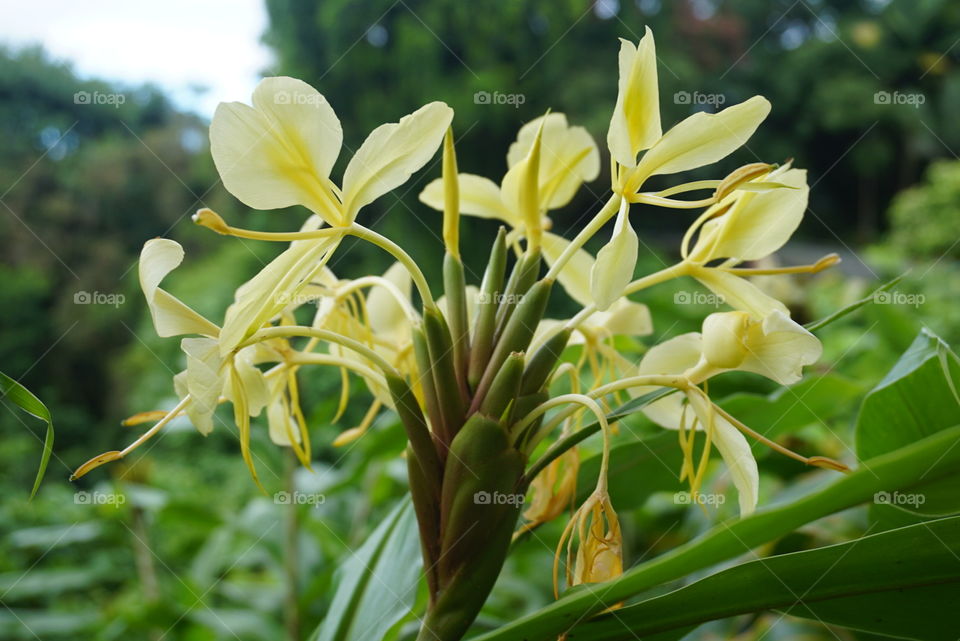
(616, 262)
(575, 275)
(387, 318)
(704, 138)
(758, 224)
(171, 317)
(635, 124)
(737, 292)
(279, 152)
(568, 157)
(479, 197)
(779, 348)
(204, 380)
(391, 153)
(273, 289)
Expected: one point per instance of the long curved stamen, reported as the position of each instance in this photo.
(824, 263)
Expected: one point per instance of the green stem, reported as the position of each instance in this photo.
(609, 211)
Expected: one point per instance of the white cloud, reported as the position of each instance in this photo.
(180, 45)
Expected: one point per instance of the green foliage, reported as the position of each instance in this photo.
(925, 218)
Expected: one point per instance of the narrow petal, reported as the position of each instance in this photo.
(391, 153)
(704, 138)
(273, 289)
(736, 454)
(737, 292)
(616, 262)
(635, 124)
(479, 197)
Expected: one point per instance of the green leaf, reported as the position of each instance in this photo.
(377, 586)
(852, 307)
(25, 400)
(917, 398)
(898, 583)
(930, 458)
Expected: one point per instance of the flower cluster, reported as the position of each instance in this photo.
(471, 374)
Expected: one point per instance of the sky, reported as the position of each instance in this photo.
(182, 46)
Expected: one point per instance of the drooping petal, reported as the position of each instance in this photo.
(759, 223)
(635, 124)
(704, 138)
(171, 317)
(391, 153)
(204, 380)
(279, 152)
(616, 262)
(479, 197)
(736, 454)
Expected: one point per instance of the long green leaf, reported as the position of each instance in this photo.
(25, 400)
(933, 457)
(377, 586)
(917, 398)
(897, 583)
(852, 307)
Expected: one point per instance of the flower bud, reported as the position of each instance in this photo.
(724, 336)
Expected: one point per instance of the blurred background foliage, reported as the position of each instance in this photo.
(864, 95)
